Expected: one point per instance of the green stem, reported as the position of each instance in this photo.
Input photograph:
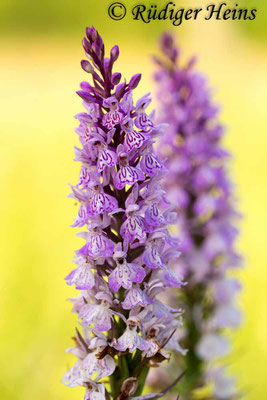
(193, 378)
(118, 377)
(142, 380)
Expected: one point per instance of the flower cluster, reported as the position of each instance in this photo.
(198, 183)
(124, 264)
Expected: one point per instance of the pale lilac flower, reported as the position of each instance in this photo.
(153, 216)
(134, 140)
(98, 314)
(131, 339)
(97, 244)
(102, 367)
(152, 254)
(82, 277)
(150, 165)
(125, 274)
(225, 289)
(106, 159)
(96, 392)
(224, 385)
(82, 217)
(75, 376)
(127, 175)
(227, 316)
(134, 227)
(101, 202)
(135, 297)
(212, 346)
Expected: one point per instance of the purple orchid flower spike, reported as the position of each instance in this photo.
(198, 184)
(127, 257)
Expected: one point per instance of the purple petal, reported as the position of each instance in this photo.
(134, 140)
(82, 277)
(150, 165)
(96, 314)
(171, 279)
(152, 257)
(153, 216)
(107, 158)
(102, 202)
(135, 297)
(127, 176)
(112, 118)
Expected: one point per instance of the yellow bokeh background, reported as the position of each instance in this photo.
(39, 73)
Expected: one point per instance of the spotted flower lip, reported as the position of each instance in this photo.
(102, 367)
(125, 262)
(101, 202)
(152, 257)
(74, 377)
(96, 392)
(125, 274)
(82, 217)
(106, 159)
(82, 277)
(97, 245)
(99, 314)
(150, 165)
(198, 183)
(134, 228)
(127, 175)
(134, 140)
(135, 297)
(131, 339)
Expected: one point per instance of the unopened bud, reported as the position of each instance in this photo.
(87, 67)
(134, 81)
(114, 53)
(116, 77)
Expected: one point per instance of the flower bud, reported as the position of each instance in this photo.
(134, 81)
(114, 54)
(116, 77)
(87, 67)
(86, 96)
(85, 86)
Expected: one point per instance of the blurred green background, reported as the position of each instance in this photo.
(39, 73)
